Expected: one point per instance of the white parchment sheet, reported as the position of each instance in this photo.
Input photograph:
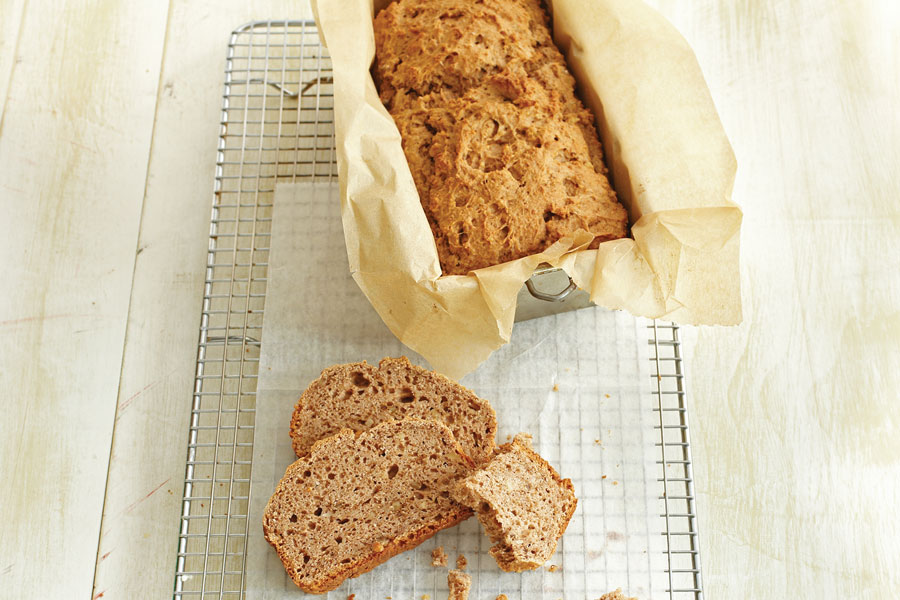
(578, 382)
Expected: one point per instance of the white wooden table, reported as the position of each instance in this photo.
(109, 119)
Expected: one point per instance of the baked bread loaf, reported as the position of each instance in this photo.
(359, 499)
(358, 396)
(522, 503)
(505, 157)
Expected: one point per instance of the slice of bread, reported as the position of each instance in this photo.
(358, 396)
(358, 499)
(522, 503)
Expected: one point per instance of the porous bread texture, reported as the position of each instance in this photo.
(459, 584)
(358, 499)
(522, 503)
(505, 157)
(358, 396)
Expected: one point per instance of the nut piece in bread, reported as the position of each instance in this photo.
(358, 499)
(358, 396)
(522, 503)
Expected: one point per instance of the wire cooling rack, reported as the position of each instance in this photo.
(277, 126)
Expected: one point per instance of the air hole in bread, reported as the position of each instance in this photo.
(318, 512)
(490, 127)
(293, 518)
(360, 380)
(392, 471)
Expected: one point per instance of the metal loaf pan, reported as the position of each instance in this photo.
(549, 291)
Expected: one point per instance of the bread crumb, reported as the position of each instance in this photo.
(351, 597)
(378, 547)
(461, 562)
(598, 442)
(459, 584)
(615, 483)
(553, 568)
(502, 597)
(603, 477)
(438, 557)
(607, 395)
(555, 387)
(616, 595)
(426, 597)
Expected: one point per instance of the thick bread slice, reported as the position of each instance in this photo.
(522, 503)
(358, 396)
(359, 499)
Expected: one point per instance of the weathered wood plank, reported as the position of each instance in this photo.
(794, 413)
(74, 145)
(140, 532)
(10, 24)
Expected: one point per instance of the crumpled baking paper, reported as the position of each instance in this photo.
(669, 161)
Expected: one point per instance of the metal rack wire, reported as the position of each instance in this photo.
(276, 126)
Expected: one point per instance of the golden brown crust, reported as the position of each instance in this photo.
(338, 576)
(505, 157)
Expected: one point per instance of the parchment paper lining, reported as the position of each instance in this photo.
(579, 382)
(671, 163)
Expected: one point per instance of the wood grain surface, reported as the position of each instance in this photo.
(74, 140)
(795, 413)
(107, 138)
